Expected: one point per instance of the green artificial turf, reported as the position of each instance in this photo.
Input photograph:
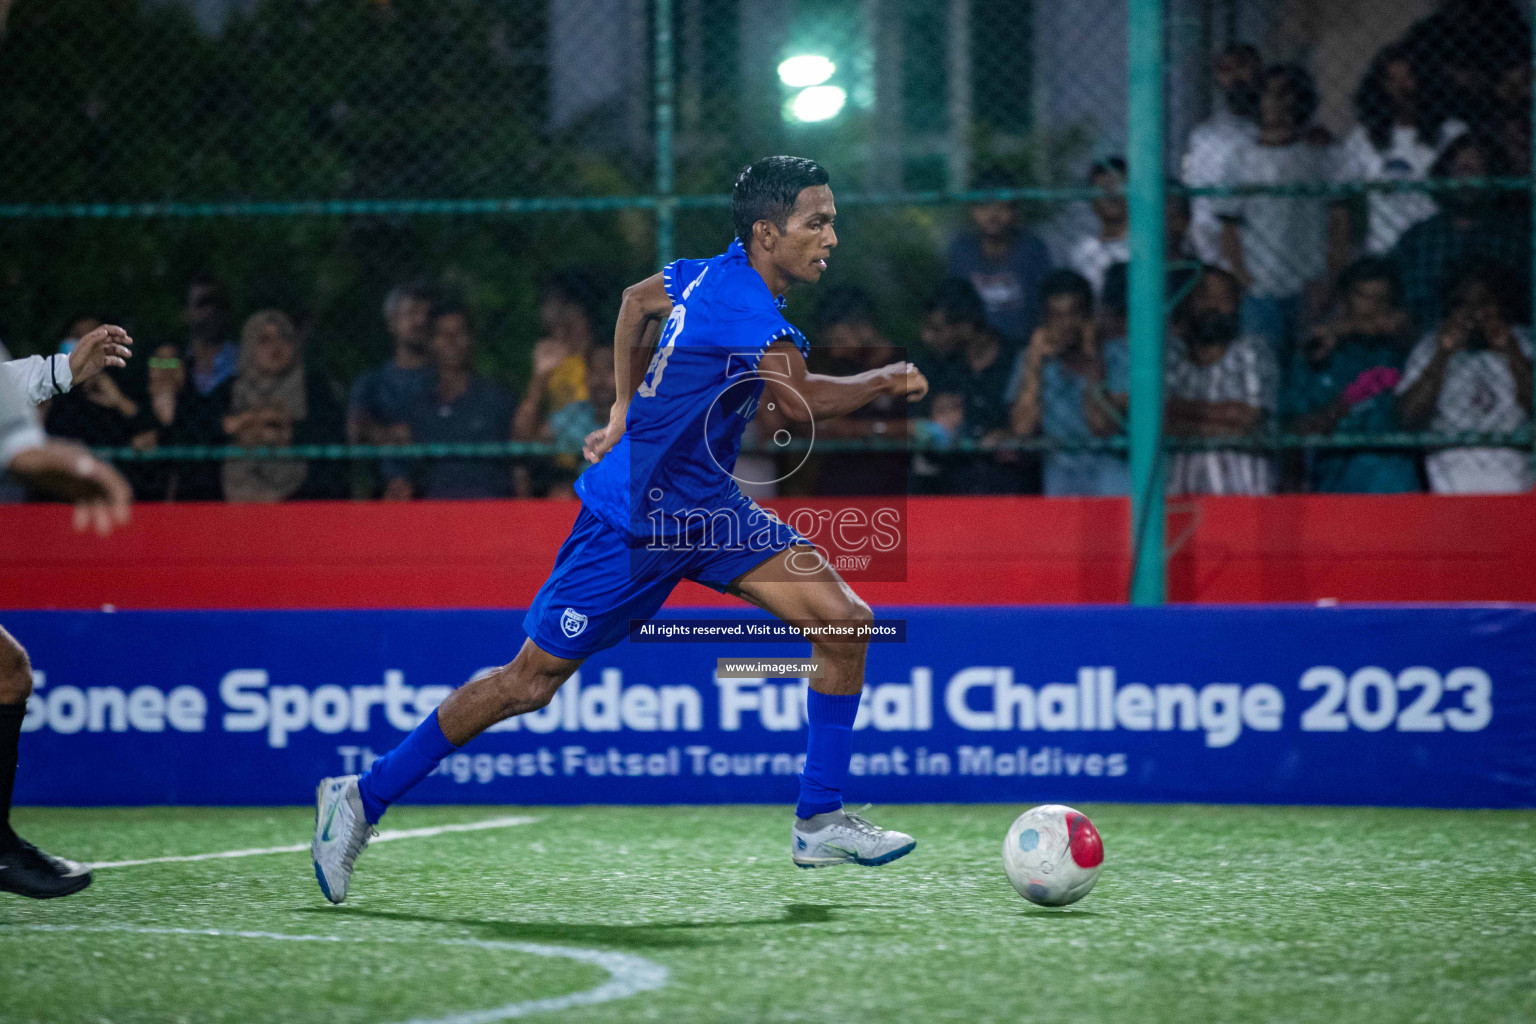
(1201, 914)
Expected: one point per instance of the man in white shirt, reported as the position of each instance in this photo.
(1473, 373)
(1212, 142)
(1094, 254)
(1276, 245)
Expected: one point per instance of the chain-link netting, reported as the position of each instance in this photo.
(355, 225)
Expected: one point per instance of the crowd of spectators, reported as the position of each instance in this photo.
(1359, 318)
(1353, 320)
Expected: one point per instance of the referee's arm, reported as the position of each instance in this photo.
(100, 494)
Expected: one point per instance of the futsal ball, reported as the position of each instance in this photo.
(1052, 855)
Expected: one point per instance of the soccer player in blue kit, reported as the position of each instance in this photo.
(661, 505)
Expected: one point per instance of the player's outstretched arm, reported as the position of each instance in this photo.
(67, 471)
(815, 396)
(645, 306)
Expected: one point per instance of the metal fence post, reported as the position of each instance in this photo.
(1147, 289)
(666, 74)
(1530, 187)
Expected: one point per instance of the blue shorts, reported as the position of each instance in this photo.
(601, 581)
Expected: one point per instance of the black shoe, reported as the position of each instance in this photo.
(28, 871)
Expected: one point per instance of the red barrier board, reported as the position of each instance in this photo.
(978, 551)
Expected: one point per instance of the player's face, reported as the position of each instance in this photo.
(808, 237)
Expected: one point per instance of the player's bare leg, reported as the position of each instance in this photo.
(526, 684)
(799, 587)
(24, 869)
(348, 806)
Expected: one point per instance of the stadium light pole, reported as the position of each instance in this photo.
(1147, 296)
(666, 71)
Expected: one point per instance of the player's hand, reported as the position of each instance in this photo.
(108, 345)
(907, 380)
(100, 493)
(600, 440)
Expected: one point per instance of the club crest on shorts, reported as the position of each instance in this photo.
(572, 621)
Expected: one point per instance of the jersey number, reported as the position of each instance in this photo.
(658, 365)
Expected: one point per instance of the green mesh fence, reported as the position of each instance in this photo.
(1349, 214)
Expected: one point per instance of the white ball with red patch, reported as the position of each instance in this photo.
(1052, 855)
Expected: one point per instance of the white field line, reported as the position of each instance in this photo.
(383, 837)
(628, 974)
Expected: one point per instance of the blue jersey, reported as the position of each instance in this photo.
(674, 464)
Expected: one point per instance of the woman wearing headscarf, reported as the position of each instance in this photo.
(274, 401)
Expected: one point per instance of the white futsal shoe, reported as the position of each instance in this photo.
(839, 837)
(341, 833)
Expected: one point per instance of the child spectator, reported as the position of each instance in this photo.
(1472, 373)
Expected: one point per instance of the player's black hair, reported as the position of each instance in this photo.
(1304, 98)
(1116, 298)
(767, 190)
(844, 304)
(1372, 268)
(1067, 282)
(958, 301)
(1108, 165)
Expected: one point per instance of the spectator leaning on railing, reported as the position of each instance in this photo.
(1074, 388)
(1219, 383)
(275, 401)
(176, 415)
(1342, 381)
(381, 397)
(1472, 373)
(461, 407)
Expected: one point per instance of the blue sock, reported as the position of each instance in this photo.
(393, 775)
(827, 751)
